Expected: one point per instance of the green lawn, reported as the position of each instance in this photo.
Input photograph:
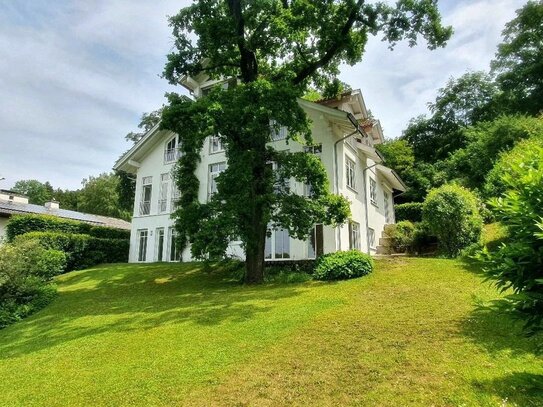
(168, 335)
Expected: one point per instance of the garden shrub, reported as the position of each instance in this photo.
(452, 215)
(402, 234)
(26, 271)
(343, 265)
(517, 263)
(82, 251)
(411, 211)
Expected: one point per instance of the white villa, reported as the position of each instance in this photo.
(346, 148)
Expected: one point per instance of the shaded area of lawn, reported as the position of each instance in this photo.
(179, 335)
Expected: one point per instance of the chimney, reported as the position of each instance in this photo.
(52, 205)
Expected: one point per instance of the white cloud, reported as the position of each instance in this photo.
(75, 77)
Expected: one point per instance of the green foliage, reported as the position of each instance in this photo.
(276, 51)
(21, 224)
(511, 163)
(519, 60)
(402, 235)
(147, 122)
(126, 190)
(486, 141)
(410, 211)
(452, 215)
(518, 263)
(26, 270)
(461, 103)
(343, 265)
(82, 251)
(38, 193)
(100, 196)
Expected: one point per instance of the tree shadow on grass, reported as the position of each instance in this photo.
(519, 388)
(139, 297)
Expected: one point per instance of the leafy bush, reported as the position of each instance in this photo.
(452, 215)
(26, 270)
(411, 211)
(518, 262)
(21, 224)
(423, 239)
(81, 250)
(402, 234)
(343, 265)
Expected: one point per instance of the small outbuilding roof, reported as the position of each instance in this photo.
(8, 208)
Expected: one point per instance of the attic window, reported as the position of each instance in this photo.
(172, 150)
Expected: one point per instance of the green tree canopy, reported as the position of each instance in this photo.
(272, 52)
(519, 60)
(461, 103)
(38, 193)
(99, 196)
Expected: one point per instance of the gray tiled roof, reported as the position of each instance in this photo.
(17, 208)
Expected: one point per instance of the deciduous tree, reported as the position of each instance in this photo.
(272, 51)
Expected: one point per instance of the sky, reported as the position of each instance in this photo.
(75, 77)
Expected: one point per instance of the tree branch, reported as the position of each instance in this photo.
(248, 63)
(333, 50)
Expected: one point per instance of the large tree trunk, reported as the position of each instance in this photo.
(254, 262)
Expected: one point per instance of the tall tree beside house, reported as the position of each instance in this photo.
(272, 52)
(519, 61)
(38, 193)
(99, 196)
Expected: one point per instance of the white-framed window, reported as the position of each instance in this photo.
(163, 192)
(371, 236)
(173, 252)
(354, 236)
(146, 195)
(215, 145)
(278, 132)
(373, 191)
(281, 184)
(159, 253)
(142, 244)
(172, 150)
(350, 173)
(277, 245)
(214, 172)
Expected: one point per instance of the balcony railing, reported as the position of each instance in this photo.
(171, 155)
(145, 208)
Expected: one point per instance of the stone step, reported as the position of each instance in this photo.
(384, 250)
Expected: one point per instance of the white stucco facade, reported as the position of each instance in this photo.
(354, 170)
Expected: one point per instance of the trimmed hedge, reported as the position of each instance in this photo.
(343, 265)
(81, 250)
(21, 224)
(411, 211)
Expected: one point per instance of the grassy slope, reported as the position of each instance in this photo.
(177, 335)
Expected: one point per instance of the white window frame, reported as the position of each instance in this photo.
(373, 191)
(143, 242)
(387, 204)
(350, 173)
(163, 192)
(354, 236)
(171, 251)
(145, 204)
(272, 245)
(159, 254)
(215, 145)
(172, 150)
(312, 244)
(214, 171)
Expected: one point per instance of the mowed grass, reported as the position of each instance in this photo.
(169, 335)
